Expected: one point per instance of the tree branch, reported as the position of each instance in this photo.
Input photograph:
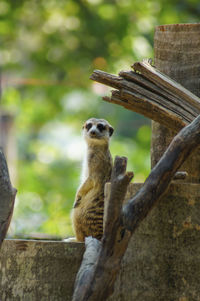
(158, 181)
(109, 252)
(7, 198)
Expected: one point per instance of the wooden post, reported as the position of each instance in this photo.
(177, 55)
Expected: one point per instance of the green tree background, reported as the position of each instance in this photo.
(48, 52)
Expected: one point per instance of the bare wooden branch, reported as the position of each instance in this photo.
(158, 181)
(106, 264)
(143, 89)
(7, 198)
(142, 105)
(164, 81)
(151, 94)
(86, 271)
(120, 224)
(160, 90)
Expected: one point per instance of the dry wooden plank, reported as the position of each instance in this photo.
(147, 108)
(171, 109)
(160, 100)
(162, 80)
(146, 88)
(162, 91)
(147, 95)
(107, 79)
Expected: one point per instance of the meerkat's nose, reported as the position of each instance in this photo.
(93, 133)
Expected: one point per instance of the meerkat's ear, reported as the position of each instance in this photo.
(111, 130)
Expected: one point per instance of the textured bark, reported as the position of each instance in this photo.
(7, 198)
(168, 84)
(176, 50)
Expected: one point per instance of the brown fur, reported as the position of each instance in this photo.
(87, 214)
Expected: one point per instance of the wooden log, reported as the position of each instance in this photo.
(7, 198)
(176, 55)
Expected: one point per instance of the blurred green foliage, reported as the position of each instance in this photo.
(48, 51)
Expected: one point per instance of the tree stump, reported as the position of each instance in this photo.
(176, 53)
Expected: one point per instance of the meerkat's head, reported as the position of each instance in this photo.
(97, 131)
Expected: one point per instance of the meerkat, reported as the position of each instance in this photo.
(88, 208)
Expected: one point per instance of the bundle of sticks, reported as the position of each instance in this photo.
(147, 91)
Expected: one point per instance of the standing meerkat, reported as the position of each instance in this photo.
(88, 209)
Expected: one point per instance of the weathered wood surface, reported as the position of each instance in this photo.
(144, 106)
(122, 221)
(152, 94)
(160, 90)
(38, 270)
(162, 261)
(176, 50)
(7, 198)
(168, 84)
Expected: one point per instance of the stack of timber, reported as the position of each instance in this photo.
(147, 91)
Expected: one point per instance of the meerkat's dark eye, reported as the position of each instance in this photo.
(101, 127)
(88, 126)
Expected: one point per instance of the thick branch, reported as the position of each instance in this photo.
(86, 271)
(158, 181)
(106, 264)
(7, 198)
(146, 107)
